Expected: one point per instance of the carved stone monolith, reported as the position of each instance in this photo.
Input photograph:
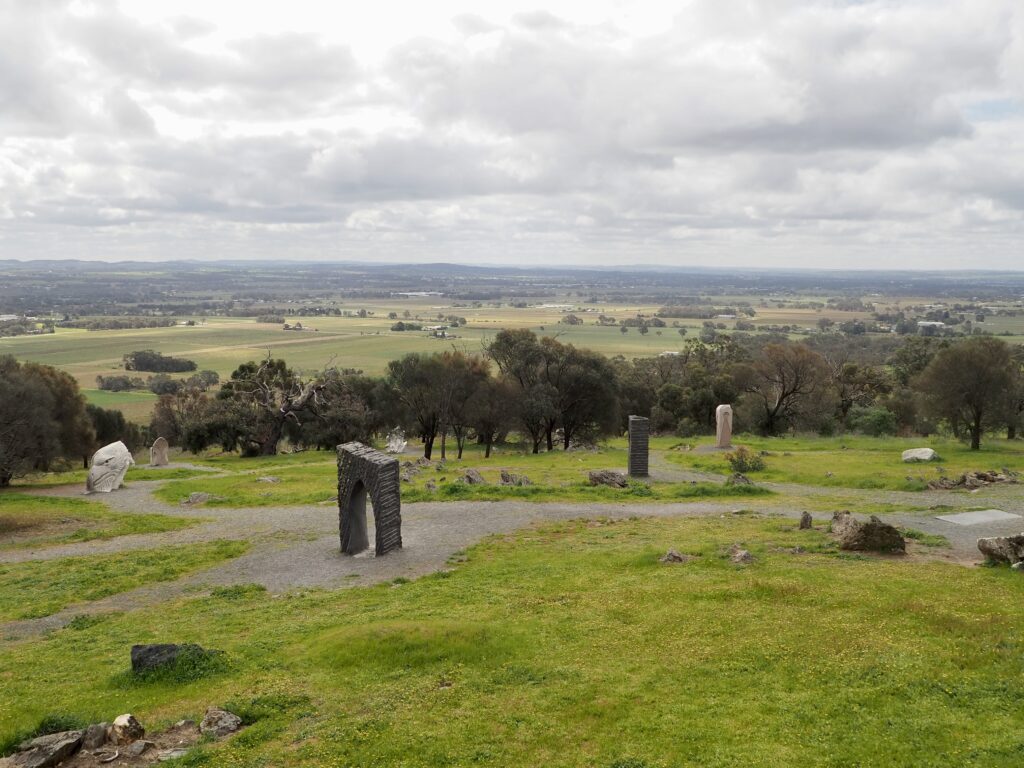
(158, 453)
(639, 445)
(723, 422)
(396, 441)
(109, 465)
(365, 472)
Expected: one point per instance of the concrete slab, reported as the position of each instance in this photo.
(981, 516)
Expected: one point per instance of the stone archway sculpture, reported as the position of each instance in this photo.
(364, 471)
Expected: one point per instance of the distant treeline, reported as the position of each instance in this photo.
(155, 362)
(119, 323)
(23, 327)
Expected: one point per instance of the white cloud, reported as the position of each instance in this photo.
(813, 132)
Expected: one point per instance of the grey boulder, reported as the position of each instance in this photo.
(1003, 549)
(45, 751)
(153, 656)
(607, 477)
(872, 536)
(220, 722)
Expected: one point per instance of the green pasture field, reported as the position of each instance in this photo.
(367, 344)
(856, 462)
(571, 645)
(37, 588)
(40, 521)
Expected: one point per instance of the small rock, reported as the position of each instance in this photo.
(220, 722)
(126, 729)
(472, 477)
(268, 479)
(196, 497)
(1018, 566)
(171, 754)
(430, 485)
(607, 477)
(46, 751)
(185, 724)
(146, 658)
(510, 478)
(806, 521)
(406, 477)
(738, 478)
(138, 748)
(95, 736)
(739, 555)
(672, 556)
(829, 474)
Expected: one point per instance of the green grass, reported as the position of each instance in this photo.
(37, 588)
(311, 478)
(858, 462)
(39, 521)
(572, 645)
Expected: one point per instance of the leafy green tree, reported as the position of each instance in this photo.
(782, 382)
(261, 402)
(970, 385)
(42, 419)
(419, 380)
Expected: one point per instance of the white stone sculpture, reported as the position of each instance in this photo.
(158, 453)
(396, 441)
(920, 454)
(723, 420)
(109, 465)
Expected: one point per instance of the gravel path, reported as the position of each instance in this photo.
(298, 547)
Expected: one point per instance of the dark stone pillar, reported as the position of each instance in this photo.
(639, 445)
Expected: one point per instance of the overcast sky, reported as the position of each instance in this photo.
(817, 133)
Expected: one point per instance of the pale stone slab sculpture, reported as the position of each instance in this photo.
(109, 465)
(723, 420)
(396, 441)
(158, 453)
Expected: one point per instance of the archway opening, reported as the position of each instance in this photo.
(358, 536)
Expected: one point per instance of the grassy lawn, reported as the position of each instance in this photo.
(857, 462)
(311, 478)
(38, 588)
(39, 521)
(571, 645)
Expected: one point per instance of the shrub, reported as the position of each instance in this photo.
(744, 460)
(872, 421)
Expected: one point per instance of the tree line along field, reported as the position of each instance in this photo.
(368, 343)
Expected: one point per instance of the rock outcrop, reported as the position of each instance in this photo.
(1003, 549)
(872, 536)
(607, 477)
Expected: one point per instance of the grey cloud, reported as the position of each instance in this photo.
(776, 127)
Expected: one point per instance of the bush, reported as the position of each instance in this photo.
(744, 460)
(872, 421)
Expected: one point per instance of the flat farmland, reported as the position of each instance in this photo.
(368, 343)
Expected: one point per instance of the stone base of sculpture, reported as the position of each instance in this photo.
(109, 466)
